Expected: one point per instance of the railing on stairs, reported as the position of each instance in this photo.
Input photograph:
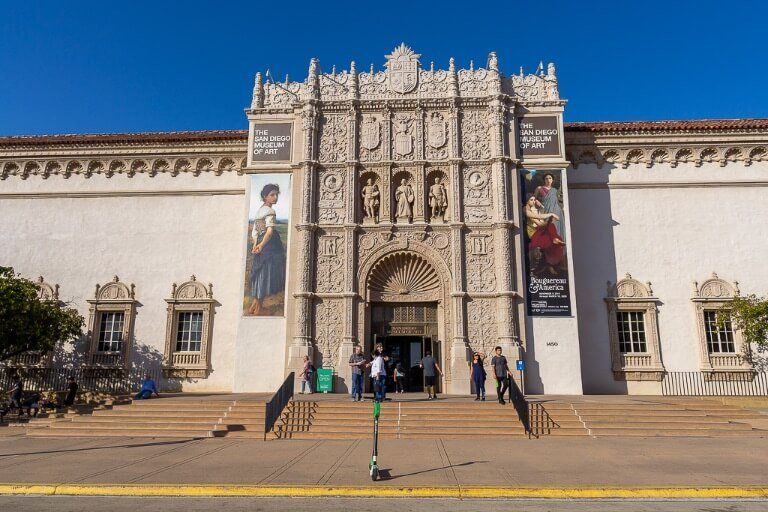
(274, 408)
(521, 405)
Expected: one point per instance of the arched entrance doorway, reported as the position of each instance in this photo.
(405, 312)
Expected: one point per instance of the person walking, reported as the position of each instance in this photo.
(307, 374)
(17, 392)
(72, 387)
(400, 378)
(148, 388)
(478, 376)
(502, 373)
(431, 369)
(379, 376)
(358, 363)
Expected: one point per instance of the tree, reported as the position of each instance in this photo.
(749, 314)
(30, 324)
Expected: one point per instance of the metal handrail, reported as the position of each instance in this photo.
(274, 408)
(521, 405)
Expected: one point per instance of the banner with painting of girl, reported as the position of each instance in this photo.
(545, 250)
(266, 256)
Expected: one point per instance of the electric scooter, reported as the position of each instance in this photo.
(373, 466)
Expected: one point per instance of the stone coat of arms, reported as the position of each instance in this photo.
(403, 139)
(403, 69)
(437, 130)
(370, 134)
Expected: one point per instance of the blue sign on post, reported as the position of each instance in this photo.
(520, 365)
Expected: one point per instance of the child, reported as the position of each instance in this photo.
(400, 378)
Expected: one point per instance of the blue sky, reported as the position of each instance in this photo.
(89, 67)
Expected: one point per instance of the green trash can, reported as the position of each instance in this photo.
(324, 380)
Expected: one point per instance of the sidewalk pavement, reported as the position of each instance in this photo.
(454, 465)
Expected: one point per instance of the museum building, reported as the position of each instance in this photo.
(445, 210)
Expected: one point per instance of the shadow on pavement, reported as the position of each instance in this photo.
(384, 474)
(142, 445)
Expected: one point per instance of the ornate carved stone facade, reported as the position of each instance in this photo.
(407, 175)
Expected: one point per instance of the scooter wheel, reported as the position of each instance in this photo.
(375, 473)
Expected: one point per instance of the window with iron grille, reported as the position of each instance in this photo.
(631, 326)
(111, 331)
(719, 336)
(189, 332)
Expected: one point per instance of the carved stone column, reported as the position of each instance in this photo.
(460, 382)
(302, 339)
(349, 340)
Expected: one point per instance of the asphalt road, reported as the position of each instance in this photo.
(121, 504)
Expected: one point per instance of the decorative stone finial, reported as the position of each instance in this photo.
(453, 80)
(354, 86)
(540, 68)
(312, 78)
(551, 70)
(257, 101)
(650, 288)
(493, 62)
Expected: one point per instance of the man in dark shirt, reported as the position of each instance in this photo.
(17, 391)
(431, 369)
(502, 374)
(71, 392)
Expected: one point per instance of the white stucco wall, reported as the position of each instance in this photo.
(151, 241)
(672, 227)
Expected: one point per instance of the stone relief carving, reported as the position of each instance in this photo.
(402, 143)
(481, 326)
(46, 291)
(370, 139)
(329, 315)
(331, 205)
(481, 271)
(477, 194)
(475, 135)
(403, 276)
(437, 133)
(330, 263)
(333, 138)
(403, 69)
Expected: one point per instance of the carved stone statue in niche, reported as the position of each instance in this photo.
(405, 197)
(371, 202)
(438, 201)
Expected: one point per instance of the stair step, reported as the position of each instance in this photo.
(88, 432)
(677, 433)
(146, 419)
(670, 426)
(102, 425)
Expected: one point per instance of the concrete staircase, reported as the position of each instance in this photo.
(652, 418)
(177, 418)
(336, 419)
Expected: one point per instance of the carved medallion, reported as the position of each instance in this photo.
(370, 134)
(403, 69)
(437, 130)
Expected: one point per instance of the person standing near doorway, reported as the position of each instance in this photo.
(379, 376)
(307, 375)
(431, 369)
(478, 376)
(358, 363)
(502, 373)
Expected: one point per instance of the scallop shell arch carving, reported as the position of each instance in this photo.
(403, 276)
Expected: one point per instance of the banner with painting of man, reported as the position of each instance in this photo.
(545, 250)
(266, 252)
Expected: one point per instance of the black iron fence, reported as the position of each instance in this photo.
(97, 380)
(274, 408)
(715, 384)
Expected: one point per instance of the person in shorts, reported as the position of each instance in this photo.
(431, 369)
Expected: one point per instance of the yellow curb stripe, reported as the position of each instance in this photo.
(384, 491)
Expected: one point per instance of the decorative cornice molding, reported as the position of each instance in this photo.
(592, 185)
(122, 193)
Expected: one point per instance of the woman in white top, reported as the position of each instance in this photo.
(268, 263)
